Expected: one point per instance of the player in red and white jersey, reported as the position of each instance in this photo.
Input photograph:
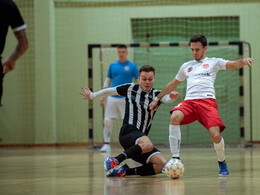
(200, 101)
(200, 77)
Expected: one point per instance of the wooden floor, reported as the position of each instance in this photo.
(79, 170)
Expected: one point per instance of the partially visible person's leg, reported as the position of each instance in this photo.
(153, 162)
(107, 131)
(158, 162)
(143, 145)
(175, 133)
(181, 114)
(134, 141)
(210, 119)
(111, 113)
(1, 82)
(219, 146)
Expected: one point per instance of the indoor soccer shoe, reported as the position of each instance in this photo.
(223, 169)
(110, 163)
(105, 148)
(119, 172)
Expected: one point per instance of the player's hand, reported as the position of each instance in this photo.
(153, 105)
(102, 100)
(8, 65)
(249, 61)
(174, 95)
(86, 93)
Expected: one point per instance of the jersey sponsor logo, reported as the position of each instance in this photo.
(189, 69)
(199, 74)
(205, 66)
(202, 74)
(127, 68)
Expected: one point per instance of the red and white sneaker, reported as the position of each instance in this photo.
(110, 163)
(119, 172)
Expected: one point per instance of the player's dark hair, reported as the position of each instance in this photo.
(199, 38)
(121, 46)
(146, 68)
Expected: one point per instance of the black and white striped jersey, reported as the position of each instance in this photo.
(137, 111)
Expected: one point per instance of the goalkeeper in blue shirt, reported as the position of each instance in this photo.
(120, 72)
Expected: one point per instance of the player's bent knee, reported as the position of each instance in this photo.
(216, 138)
(215, 134)
(108, 122)
(176, 118)
(148, 147)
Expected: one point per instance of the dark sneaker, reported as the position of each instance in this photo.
(110, 163)
(119, 172)
(223, 171)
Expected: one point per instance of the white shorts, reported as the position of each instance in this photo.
(115, 108)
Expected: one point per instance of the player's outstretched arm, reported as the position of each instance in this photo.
(106, 84)
(86, 93)
(240, 63)
(171, 86)
(89, 95)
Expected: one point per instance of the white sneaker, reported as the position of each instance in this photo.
(105, 148)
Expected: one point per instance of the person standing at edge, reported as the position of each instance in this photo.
(10, 16)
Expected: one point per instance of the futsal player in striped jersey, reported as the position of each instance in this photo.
(200, 101)
(136, 125)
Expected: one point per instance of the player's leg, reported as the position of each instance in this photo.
(175, 133)
(153, 162)
(181, 114)
(130, 138)
(219, 146)
(209, 118)
(107, 131)
(110, 116)
(115, 109)
(143, 145)
(130, 152)
(154, 166)
(158, 162)
(1, 82)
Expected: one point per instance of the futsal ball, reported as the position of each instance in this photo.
(174, 168)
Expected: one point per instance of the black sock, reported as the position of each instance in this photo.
(144, 170)
(129, 153)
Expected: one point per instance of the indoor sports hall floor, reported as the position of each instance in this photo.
(79, 170)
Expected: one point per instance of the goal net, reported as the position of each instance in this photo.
(167, 59)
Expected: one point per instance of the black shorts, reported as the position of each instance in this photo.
(127, 138)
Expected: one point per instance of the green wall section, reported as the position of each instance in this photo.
(41, 97)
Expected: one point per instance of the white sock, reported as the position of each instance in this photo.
(175, 139)
(108, 126)
(220, 150)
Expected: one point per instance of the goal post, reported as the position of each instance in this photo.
(229, 87)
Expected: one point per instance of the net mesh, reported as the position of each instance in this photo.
(167, 62)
